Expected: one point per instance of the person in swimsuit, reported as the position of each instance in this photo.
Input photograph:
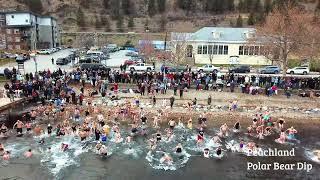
(1, 149)
(179, 148)
(28, 154)
(166, 159)
(206, 153)
(219, 151)
(64, 146)
(28, 126)
(19, 125)
(6, 156)
(200, 137)
(291, 133)
(237, 126)
(224, 130)
(158, 136)
(189, 124)
(281, 123)
(172, 123)
(3, 130)
(49, 129)
(143, 120)
(103, 150)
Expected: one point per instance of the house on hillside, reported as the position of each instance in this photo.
(23, 30)
(220, 45)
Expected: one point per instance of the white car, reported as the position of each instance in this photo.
(209, 68)
(140, 67)
(299, 70)
(43, 51)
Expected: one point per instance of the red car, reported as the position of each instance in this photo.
(129, 62)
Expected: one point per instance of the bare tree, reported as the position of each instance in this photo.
(283, 32)
(179, 44)
(147, 49)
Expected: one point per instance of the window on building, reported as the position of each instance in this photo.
(18, 47)
(210, 49)
(246, 50)
(220, 49)
(199, 49)
(215, 49)
(240, 50)
(9, 39)
(225, 50)
(16, 31)
(205, 49)
(8, 31)
(17, 39)
(251, 49)
(10, 47)
(256, 50)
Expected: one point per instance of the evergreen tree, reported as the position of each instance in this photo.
(241, 7)
(257, 6)
(239, 21)
(80, 18)
(115, 8)
(34, 6)
(267, 6)
(106, 3)
(146, 25)
(98, 23)
(131, 23)
(230, 5)
(126, 7)
(105, 23)
(251, 19)
(318, 6)
(163, 23)
(161, 5)
(119, 24)
(151, 8)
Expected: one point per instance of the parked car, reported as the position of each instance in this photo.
(43, 51)
(10, 56)
(269, 70)
(129, 62)
(208, 68)
(62, 61)
(94, 66)
(21, 58)
(240, 69)
(299, 70)
(140, 67)
(131, 53)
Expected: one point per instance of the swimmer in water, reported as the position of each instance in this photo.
(98, 146)
(41, 141)
(218, 151)
(6, 156)
(189, 124)
(28, 126)
(19, 126)
(128, 139)
(206, 153)
(103, 150)
(1, 149)
(237, 126)
(281, 123)
(178, 148)
(224, 130)
(28, 154)
(3, 130)
(166, 159)
(291, 133)
(200, 137)
(64, 146)
(216, 140)
(171, 124)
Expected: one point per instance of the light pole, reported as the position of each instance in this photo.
(33, 56)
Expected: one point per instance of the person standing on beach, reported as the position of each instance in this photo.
(171, 101)
(209, 100)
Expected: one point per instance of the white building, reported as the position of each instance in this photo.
(28, 31)
(221, 46)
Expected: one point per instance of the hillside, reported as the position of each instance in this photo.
(156, 15)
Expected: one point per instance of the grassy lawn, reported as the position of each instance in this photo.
(6, 61)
